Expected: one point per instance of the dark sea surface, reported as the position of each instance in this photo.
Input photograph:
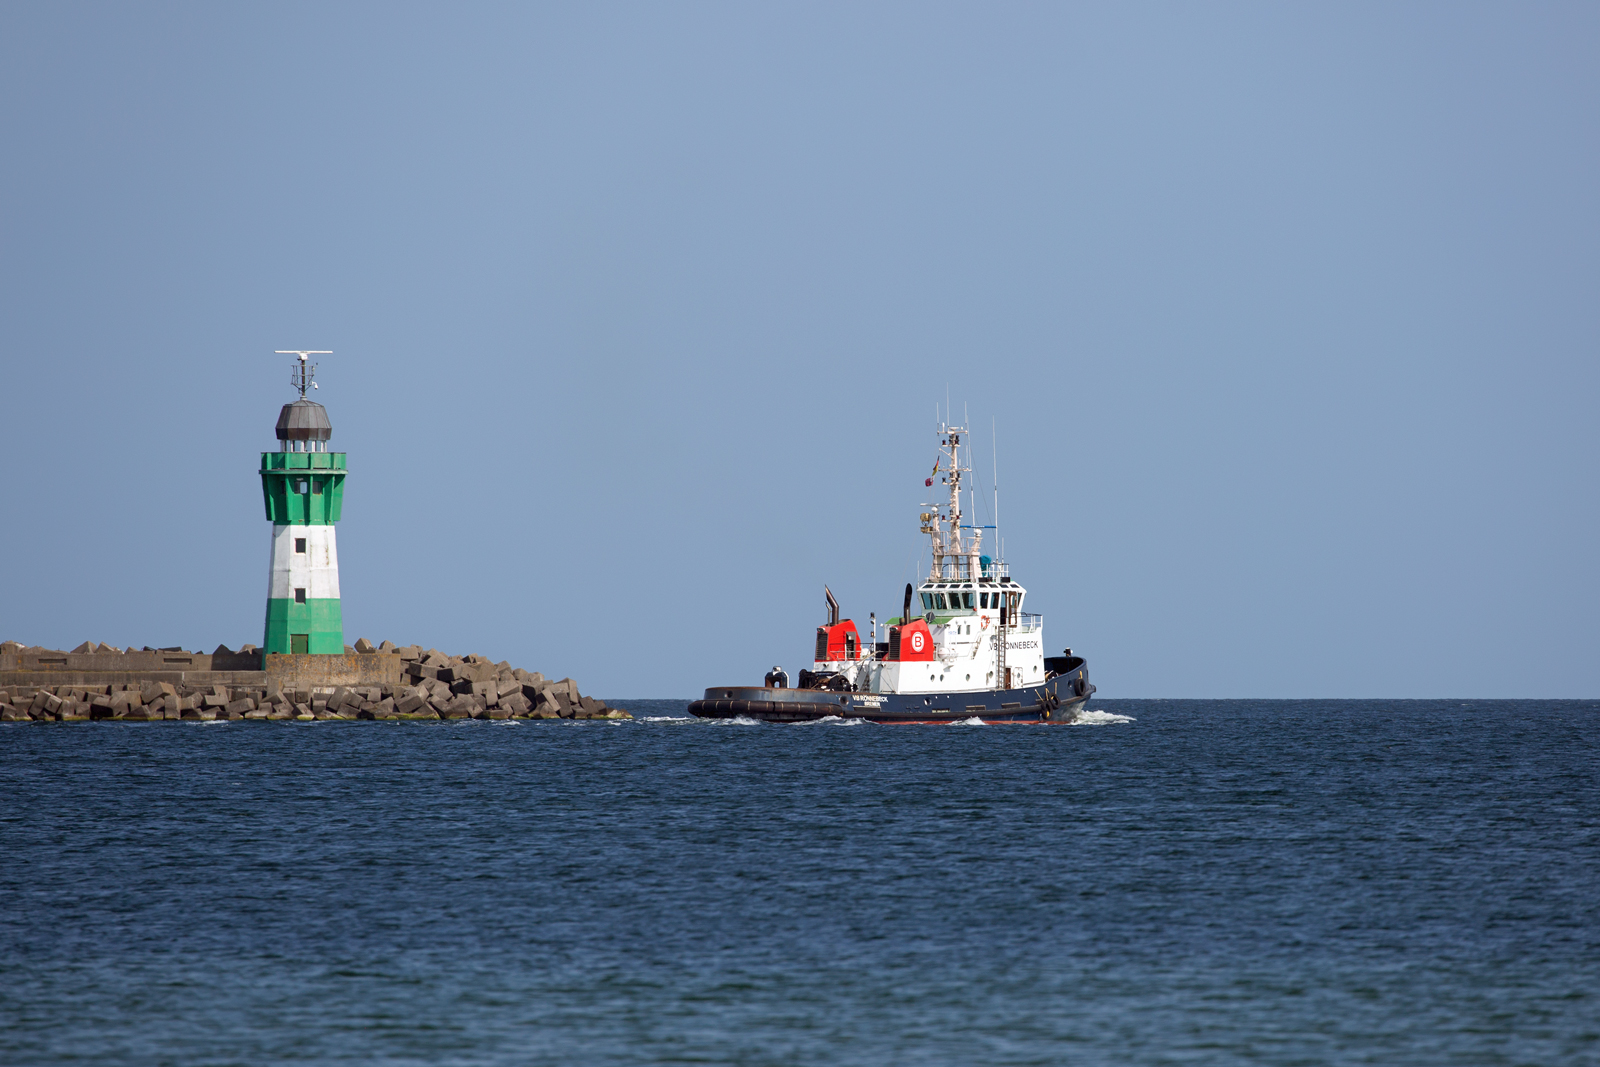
(1212, 882)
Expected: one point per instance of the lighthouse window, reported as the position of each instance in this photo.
(300, 485)
(299, 596)
(300, 545)
(316, 485)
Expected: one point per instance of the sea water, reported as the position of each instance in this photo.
(1174, 882)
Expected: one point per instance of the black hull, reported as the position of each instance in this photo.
(1055, 700)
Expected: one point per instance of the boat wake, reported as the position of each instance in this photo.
(831, 720)
(1101, 718)
(974, 721)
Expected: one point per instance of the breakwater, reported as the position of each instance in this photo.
(101, 682)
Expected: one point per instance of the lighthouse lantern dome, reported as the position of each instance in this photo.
(303, 426)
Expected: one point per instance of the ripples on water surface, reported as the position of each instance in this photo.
(1212, 882)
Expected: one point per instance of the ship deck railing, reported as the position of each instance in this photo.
(963, 573)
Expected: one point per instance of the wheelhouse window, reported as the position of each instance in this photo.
(983, 600)
(966, 599)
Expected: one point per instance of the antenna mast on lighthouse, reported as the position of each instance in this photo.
(302, 375)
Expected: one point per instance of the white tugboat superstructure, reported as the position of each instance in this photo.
(962, 646)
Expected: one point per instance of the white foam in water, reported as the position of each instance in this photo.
(1101, 718)
(829, 720)
(670, 718)
(974, 721)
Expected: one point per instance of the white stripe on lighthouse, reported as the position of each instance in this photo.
(316, 570)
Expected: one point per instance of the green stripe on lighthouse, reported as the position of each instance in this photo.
(303, 487)
(319, 622)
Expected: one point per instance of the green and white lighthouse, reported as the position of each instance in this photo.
(303, 484)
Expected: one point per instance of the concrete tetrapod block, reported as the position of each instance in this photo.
(461, 707)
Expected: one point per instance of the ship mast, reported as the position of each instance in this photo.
(955, 555)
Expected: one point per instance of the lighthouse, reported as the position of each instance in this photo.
(303, 485)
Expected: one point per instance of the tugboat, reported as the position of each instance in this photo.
(971, 652)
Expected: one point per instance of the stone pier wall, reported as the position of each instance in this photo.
(367, 682)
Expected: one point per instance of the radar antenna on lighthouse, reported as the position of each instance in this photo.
(302, 375)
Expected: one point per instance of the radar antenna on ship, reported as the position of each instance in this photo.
(302, 375)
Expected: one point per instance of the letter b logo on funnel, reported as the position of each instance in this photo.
(916, 642)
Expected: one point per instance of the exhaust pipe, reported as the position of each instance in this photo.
(905, 612)
(833, 607)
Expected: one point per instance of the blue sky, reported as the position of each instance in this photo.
(1285, 316)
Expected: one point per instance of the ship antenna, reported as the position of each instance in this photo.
(302, 375)
(994, 443)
